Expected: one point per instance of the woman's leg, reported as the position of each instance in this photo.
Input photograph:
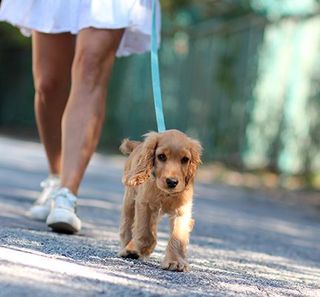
(52, 61)
(85, 110)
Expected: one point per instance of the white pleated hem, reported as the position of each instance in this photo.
(135, 40)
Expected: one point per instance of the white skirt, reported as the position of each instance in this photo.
(57, 16)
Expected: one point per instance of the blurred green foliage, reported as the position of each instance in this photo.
(10, 37)
(216, 64)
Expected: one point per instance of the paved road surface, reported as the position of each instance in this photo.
(242, 244)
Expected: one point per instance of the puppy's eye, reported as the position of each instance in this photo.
(162, 157)
(184, 160)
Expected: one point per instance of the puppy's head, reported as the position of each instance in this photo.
(171, 157)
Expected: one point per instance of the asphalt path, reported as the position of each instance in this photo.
(243, 243)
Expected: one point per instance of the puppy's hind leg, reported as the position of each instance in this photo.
(127, 220)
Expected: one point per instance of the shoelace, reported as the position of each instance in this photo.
(49, 182)
(48, 185)
(64, 198)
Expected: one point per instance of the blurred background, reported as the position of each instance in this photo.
(242, 76)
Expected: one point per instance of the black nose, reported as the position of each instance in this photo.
(171, 182)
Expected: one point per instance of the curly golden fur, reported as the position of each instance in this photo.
(159, 175)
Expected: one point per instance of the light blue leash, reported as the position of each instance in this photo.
(155, 74)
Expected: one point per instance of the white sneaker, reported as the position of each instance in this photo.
(62, 217)
(41, 208)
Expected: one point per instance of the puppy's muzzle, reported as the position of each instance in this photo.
(172, 182)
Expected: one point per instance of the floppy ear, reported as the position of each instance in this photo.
(195, 161)
(142, 170)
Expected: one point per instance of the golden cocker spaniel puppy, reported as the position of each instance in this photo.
(159, 175)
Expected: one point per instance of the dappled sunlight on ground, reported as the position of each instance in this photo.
(242, 244)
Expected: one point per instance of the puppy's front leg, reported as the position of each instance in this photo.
(144, 233)
(181, 226)
(145, 228)
(127, 219)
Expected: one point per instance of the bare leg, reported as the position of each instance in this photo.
(85, 111)
(52, 60)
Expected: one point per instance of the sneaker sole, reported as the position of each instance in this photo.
(62, 227)
(63, 221)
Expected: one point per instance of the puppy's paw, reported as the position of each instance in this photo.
(129, 254)
(179, 265)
